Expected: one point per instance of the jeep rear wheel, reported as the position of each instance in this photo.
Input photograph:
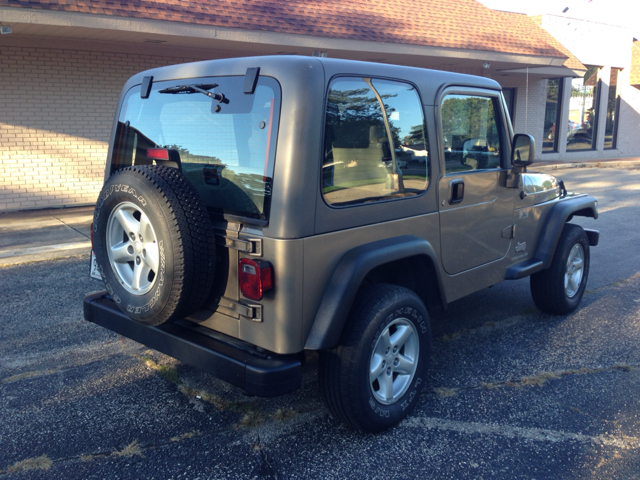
(560, 288)
(373, 379)
(154, 244)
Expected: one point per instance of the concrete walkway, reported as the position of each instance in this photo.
(35, 235)
(607, 163)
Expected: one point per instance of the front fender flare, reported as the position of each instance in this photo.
(348, 276)
(560, 214)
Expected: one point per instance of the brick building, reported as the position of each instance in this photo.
(598, 114)
(64, 63)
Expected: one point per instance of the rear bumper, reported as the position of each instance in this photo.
(228, 359)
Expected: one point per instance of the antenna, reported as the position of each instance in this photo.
(526, 104)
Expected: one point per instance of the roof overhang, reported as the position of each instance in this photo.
(546, 72)
(200, 40)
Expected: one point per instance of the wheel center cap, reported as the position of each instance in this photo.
(138, 247)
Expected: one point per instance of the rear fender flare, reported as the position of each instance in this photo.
(351, 270)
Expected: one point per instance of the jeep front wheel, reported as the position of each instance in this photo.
(373, 379)
(559, 289)
(154, 244)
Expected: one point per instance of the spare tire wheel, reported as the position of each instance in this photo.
(154, 243)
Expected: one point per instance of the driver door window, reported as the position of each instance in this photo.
(470, 131)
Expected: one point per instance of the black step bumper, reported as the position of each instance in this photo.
(264, 376)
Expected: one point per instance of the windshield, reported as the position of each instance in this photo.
(223, 143)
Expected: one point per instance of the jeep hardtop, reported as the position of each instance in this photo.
(257, 208)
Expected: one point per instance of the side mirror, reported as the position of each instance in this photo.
(523, 150)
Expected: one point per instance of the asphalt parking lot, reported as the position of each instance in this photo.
(512, 392)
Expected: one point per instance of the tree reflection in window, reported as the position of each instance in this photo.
(470, 133)
(373, 154)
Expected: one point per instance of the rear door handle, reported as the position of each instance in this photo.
(456, 191)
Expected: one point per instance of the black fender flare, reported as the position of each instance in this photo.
(561, 213)
(348, 276)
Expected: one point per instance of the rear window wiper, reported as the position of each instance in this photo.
(202, 88)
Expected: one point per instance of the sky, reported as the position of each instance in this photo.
(615, 12)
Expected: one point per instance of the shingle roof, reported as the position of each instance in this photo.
(572, 62)
(634, 74)
(459, 24)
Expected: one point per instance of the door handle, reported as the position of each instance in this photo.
(456, 191)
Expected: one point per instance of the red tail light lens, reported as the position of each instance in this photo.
(158, 154)
(255, 277)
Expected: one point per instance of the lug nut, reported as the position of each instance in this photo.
(137, 260)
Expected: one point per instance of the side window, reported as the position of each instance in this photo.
(375, 145)
(471, 135)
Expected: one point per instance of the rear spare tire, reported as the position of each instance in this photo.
(154, 244)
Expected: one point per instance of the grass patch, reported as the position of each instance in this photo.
(25, 375)
(540, 379)
(169, 373)
(130, 450)
(252, 419)
(624, 368)
(239, 406)
(184, 436)
(453, 336)
(283, 414)
(249, 408)
(43, 462)
(443, 392)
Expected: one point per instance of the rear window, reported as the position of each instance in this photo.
(225, 149)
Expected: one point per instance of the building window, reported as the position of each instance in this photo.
(510, 100)
(583, 111)
(613, 103)
(552, 115)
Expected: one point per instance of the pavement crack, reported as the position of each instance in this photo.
(71, 227)
(265, 469)
(617, 284)
(520, 433)
(538, 379)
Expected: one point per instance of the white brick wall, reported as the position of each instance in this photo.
(56, 112)
(606, 46)
(57, 107)
(529, 109)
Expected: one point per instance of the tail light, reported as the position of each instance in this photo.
(256, 277)
(158, 154)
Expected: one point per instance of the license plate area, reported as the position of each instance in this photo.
(93, 270)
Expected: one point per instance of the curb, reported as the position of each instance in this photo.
(38, 254)
(594, 164)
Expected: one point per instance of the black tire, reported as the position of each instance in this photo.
(154, 284)
(556, 289)
(344, 372)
